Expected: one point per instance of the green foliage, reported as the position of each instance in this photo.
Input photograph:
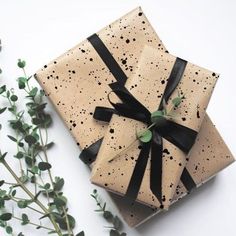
(108, 216)
(145, 136)
(157, 117)
(21, 63)
(31, 139)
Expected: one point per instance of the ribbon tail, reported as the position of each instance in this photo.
(138, 172)
(188, 181)
(89, 155)
(103, 113)
(156, 166)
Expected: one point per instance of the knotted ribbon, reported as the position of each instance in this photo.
(179, 135)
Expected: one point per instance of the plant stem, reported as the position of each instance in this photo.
(33, 209)
(51, 178)
(27, 191)
(124, 150)
(31, 223)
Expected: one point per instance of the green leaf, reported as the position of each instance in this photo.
(1, 182)
(59, 184)
(60, 201)
(14, 98)
(3, 89)
(16, 124)
(33, 92)
(47, 186)
(21, 82)
(12, 109)
(13, 193)
(2, 193)
(62, 220)
(25, 219)
(12, 138)
(22, 204)
(44, 166)
(114, 232)
(40, 107)
(19, 155)
(3, 156)
(95, 191)
(21, 63)
(30, 139)
(80, 233)
(24, 178)
(9, 229)
(36, 121)
(29, 161)
(104, 206)
(145, 136)
(6, 216)
(176, 101)
(49, 145)
(21, 144)
(117, 223)
(107, 215)
(35, 169)
(2, 110)
(156, 115)
(47, 120)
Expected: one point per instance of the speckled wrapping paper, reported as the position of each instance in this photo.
(147, 84)
(76, 78)
(78, 81)
(209, 155)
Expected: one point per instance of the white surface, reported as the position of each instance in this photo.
(200, 31)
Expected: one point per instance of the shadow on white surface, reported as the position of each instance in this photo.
(178, 208)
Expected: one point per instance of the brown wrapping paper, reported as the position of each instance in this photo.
(69, 90)
(147, 84)
(209, 155)
(78, 81)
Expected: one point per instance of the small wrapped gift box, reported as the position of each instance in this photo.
(152, 174)
(209, 155)
(73, 81)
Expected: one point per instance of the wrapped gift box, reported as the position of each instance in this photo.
(147, 85)
(209, 156)
(78, 80)
(73, 93)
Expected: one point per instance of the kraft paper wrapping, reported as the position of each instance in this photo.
(209, 155)
(74, 77)
(147, 85)
(78, 81)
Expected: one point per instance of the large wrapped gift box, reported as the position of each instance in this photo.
(155, 72)
(77, 81)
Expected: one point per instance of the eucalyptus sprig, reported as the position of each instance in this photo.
(42, 191)
(116, 227)
(145, 136)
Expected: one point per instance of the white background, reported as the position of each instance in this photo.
(203, 32)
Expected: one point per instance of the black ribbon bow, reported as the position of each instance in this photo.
(89, 154)
(179, 135)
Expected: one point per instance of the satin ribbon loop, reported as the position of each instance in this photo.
(177, 134)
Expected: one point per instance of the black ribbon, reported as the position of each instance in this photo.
(179, 135)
